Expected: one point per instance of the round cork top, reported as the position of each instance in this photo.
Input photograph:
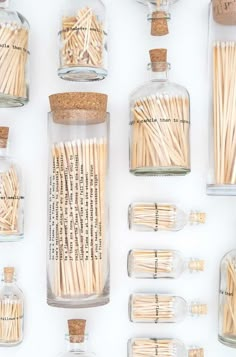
(77, 330)
(9, 274)
(224, 14)
(158, 55)
(4, 132)
(79, 100)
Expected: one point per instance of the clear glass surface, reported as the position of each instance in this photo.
(156, 347)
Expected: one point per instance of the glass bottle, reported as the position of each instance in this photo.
(154, 217)
(77, 340)
(159, 15)
(78, 227)
(156, 264)
(11, 310)
(12, 200)
(154, 308)
(14, 53)
(227, 307)
(160, 347)
(159, 124)
(222, 52)
(83, 41)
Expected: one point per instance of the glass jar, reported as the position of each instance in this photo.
(161, 347)
(154, 308)
(14, 54)
(154, 217)
(159, 124)
(156, 264)
(159, 15)
(83, 41)
(11, 310)
(222, 144)
(78, 259)
(227, 293)
(11, 194)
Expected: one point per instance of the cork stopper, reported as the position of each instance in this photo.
(196, 265)
(198, 217)
(199, 309)
(224, 11)
(158, 59)
(4, 132)
(77, 330)
(159, 24)
(197, 352)
(9, 274)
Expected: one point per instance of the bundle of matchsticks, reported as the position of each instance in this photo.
(82, 39)
(77, 227)
(11, 320)
(229, 306)
(13, 60)
(224, 112)
(160, 134)
(9, 202)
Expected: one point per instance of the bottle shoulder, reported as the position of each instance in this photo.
(77, 354)
(11, 291)
(13, 17)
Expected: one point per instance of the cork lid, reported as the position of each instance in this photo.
(224, 11)
(77, 330)
(197, 352)
(158, 59)
(199, 309)
(9, 274)
(4, 132)
(159, 24)
(196, 265)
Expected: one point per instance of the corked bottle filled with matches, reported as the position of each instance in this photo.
(222, 53)
(77, 340)
(78, 260)
(11, 310)
(83, 41)
(14, 54)
(227, 305)
(158, 15)
(159, 124)
(11, 194)
(162, 347)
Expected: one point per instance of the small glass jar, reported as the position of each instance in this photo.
(11, 194)
(154, 217)
(159, 124)
(157, 264)
(154, 308)
(83, 41)
(222, 144)
(159, 15)
(11, 310)
(227, 293)
(78, 228)
(161, 347)
(14, 54)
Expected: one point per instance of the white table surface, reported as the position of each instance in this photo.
(130, 41)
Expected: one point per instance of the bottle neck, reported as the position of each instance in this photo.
(159, 71)
(158, 7)
(4, 4)
(77, 344)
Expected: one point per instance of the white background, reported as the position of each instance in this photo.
(130, 41)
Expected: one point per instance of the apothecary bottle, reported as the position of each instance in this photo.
(157, 264)
(160, 347)
(78, 227)
(159, 123)
(222, 144)
(155, 308)
(11, 310)
(154, 217)
(77, 340)
(14, 55)
(227, 293)
(11, 194)
(83, 41)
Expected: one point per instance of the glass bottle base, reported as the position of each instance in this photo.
(85, 302)
(228, 341)
(5, 238)
(160, 171)
(8, 101)
(82, 74)
(221, 190)
(10, 344)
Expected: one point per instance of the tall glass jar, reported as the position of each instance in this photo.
(11, 310)
(78, 261)
(11, 194)
(83, 41)
(159, 124)
(227, 294)
(159, 15)
(222, 144)
(14, 54)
